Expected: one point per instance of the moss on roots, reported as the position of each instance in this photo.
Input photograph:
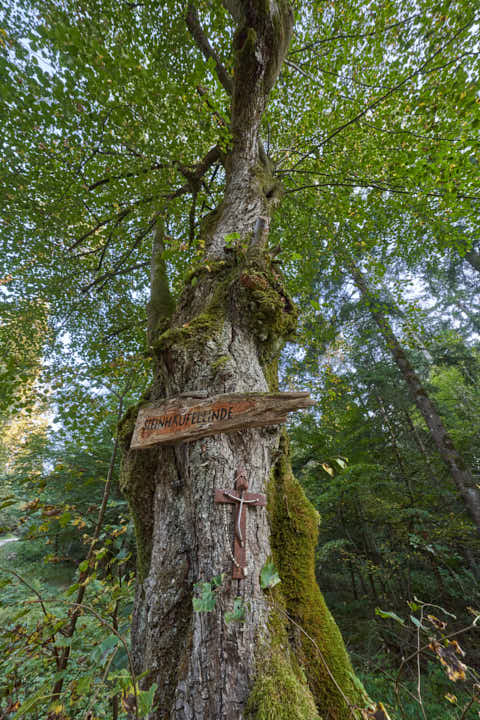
(280, 691)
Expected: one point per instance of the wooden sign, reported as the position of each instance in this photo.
(242, 499)
(178, 420)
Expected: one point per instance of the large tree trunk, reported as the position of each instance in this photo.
(459, 472)
(225, 336)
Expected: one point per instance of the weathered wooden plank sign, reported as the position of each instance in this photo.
(179, 420)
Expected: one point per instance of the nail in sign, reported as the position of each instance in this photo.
(242, 499)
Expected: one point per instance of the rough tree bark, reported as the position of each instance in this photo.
(225, 335)
(460, 473)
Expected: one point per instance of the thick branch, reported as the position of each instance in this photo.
(195, 174)
(161, 304)
(261, 43)
(196, 31)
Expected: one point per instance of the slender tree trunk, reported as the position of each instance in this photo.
(419, 442)
(460, 474)
(473, 259)
(225, 335)
(393, 437)
(352, 580)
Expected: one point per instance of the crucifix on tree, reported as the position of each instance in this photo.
(242, 499)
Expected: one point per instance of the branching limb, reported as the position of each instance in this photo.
(378, 186)
(196, 31)
(143, 171)
(353, 36)
(118, 267)
(195, 174)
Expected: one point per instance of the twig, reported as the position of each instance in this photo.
(63, 660)
(419, 674)
(117, 634)
(345, 36)
(104, 678)
(44, 610)
(410, 76)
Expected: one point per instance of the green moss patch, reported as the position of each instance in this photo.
(318, 644)
(281, 690)
(270, 312)
(137, 484)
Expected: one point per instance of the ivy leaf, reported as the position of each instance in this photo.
(207, 599)
(269, 576)
(145, 700)
(238, 613)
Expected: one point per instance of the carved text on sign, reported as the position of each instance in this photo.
(183, 419)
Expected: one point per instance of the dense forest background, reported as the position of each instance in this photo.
(378, 241)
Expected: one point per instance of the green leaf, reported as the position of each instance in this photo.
(32, 702)
(417, 622)
(83, 685)
(145, 700)
(269, 576)
(238, 613)
(207, 600)
(390, 615)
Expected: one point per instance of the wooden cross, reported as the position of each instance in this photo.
(241, 498)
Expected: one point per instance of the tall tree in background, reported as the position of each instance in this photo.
(459, 471)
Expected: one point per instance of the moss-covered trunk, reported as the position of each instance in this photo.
(286, 658)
